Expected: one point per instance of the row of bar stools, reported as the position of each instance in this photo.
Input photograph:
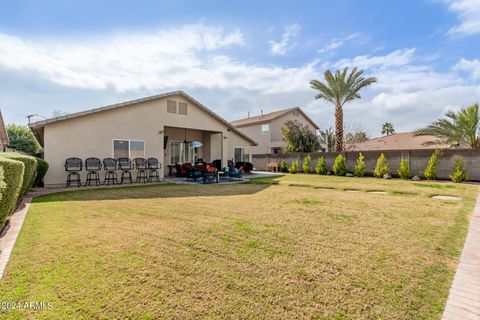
(147, 170)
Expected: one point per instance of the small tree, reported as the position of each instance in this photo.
(359, 170)
(321, 167)
(404, 170)
(299, 138)
(459, 174)
(431, 170)
(381, 168)
(307, 164)
(22, 139)
(340, 166)
(294, 167)
(283, 166)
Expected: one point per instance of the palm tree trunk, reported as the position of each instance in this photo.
(338, 128)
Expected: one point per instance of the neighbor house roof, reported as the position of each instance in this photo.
(267, 117)
(37, 127)
(3, 132)
(396, 141)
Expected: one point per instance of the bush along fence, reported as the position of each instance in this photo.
(18, 174)
(446, 164)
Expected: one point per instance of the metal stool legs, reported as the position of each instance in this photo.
(153, 174)
(73, 177)
(110, 176)
(93, 176)
(126, 174)
(141, 175)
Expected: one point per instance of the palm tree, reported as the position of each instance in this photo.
(387, 129)
(339, 89)
(457, 129)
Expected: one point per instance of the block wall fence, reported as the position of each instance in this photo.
(417, 159)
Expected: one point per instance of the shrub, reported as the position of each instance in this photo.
(283, 166)
(359, 170)
(459, 174)
(42, 168)
(404, 170)
(12, 179)
(340, 166)
(307, 164)
(294, 167)
(321, 167)
(431, 170)
(30, 170)
(381, 167)
(3, 185)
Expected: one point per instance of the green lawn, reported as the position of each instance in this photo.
(298, 246)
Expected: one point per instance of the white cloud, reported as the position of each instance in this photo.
(280, 48)
(393, 59)
(337, 43)
(471, 67)
(469, 15)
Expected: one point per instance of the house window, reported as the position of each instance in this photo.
(171, 106)
(265, 128)
(181, 153)
(182, 108)
(296, 113)
(128, 149)
(241, 154)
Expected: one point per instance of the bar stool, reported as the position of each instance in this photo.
(73, 166)
(110, 165)
(93, 166)
(125, 164)
(141, 166)
(153, 167)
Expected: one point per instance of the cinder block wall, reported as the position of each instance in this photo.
(418, 160)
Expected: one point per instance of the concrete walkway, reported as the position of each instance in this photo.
(464, 299)
(8, 240)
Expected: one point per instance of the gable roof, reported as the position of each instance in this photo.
(270, 117)
(3, 132)
(37, 127)
(396, 141)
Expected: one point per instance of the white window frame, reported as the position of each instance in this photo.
(129, 154)
(182, 154)
(243, 154)
(265, 131)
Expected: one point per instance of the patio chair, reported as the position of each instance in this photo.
(93, 167)
(126, 165)
(73, 166)
(110, 165)
(211, 174)
(153, 167)
(141, 166)
(183, 169)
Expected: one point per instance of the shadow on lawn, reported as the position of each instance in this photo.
(155, 191)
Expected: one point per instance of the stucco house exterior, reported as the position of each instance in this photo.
(266, 129)
(4, 142)
(155, 126)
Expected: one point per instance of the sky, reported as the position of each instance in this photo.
(241, 56)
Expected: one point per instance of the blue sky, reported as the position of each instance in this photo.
(243, 56)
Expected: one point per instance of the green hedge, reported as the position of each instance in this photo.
(13, 179)
(42, 168)
(30, 171)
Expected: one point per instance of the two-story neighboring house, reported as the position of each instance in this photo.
(3, 135)
(266, 129)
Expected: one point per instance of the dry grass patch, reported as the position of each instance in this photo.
(241, 251)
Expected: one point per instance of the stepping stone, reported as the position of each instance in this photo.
(440, 197)
(351, 190)
(377, 192)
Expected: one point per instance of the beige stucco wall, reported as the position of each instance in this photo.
(92, 135)
(267, 141)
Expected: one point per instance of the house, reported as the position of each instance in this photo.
(396, 141)
(162, 126)
(4, 142)
(266, 129)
